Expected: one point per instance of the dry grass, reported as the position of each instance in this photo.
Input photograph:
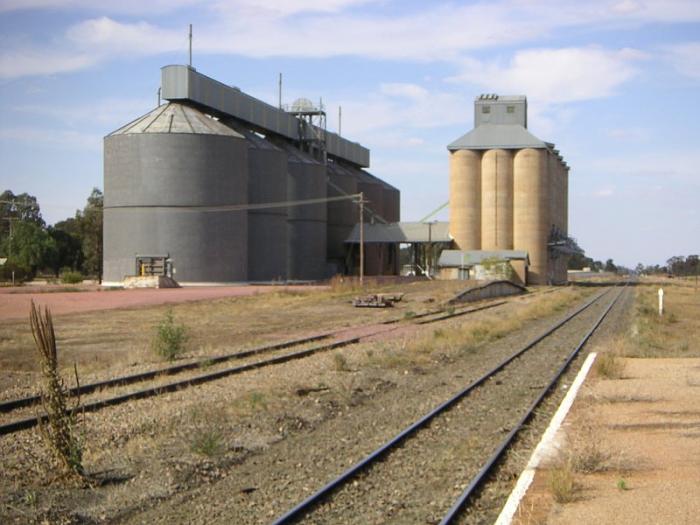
(107, 342)
(676, 333)
(609, 366)
(59, 429)
(561, 483)
(470, 335)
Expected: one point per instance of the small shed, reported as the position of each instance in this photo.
(484, 265)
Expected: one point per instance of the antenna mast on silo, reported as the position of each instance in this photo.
(279, 103)
(190, 45)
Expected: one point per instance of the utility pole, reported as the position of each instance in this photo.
(362, 238)
(340, 119)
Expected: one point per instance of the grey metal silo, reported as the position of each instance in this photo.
(306, 224)
(163, 174)
(267, 227)
(342, 215)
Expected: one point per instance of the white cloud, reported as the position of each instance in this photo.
(52, 137)
(16, 63)
(634, 134)
(554, 76)
(131, 7)
(412, 91)
(108, 37)
(686, 58)
(100, 112)
(306, 28)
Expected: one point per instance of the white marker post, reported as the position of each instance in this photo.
(661, 301)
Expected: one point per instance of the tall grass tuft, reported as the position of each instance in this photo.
(169, 341)
(58, 429)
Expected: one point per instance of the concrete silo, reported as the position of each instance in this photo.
(267, 227)
(465, 199)
(306, 224)
(497, 200)
(531, 224)
(508, 189)
(165, 173)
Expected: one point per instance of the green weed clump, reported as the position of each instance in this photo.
(170, 339)
(207, 442)
(71, 277)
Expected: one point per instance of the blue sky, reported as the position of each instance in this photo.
(614, 83)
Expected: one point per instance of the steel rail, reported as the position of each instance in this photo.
(486, 469)
(88, 388)
(26, 423)
(320, 494)
(7, 406)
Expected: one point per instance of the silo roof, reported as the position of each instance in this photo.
(490, 136)
(175, 117)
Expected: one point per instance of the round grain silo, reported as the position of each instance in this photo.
(162, 172)
(530, 210)
(342, 215)
(392, 203)
(376, 254)
(465, 199)
(497, 200)
(306, 224)
(565, 193)
(267, 227)
(371, 189)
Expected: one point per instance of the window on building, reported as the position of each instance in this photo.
(510, 109)
(486, 109)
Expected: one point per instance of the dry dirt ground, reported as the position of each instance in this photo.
(14, 302)
(629, 452)
(240, 449)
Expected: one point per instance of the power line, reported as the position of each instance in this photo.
(242, 207)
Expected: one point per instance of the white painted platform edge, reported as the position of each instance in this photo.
(544, 446)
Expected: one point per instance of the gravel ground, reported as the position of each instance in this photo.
(276, 434)
(419, 482)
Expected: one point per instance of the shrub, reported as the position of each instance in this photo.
(71, 277)
(169, 341)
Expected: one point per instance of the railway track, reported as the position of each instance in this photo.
(329, 341)
(437, 434)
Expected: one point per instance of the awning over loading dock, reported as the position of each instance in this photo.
(402, 232)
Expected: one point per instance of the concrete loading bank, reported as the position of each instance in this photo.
(178, 180)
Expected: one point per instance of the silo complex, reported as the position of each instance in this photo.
(497, 200)
(465, 199)
(267, 227)
(342, 215)
(165, 174)
(214, 187)
(531, 204)
(509, 189)
(306, 225)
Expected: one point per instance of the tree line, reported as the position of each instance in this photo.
(31, 247)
